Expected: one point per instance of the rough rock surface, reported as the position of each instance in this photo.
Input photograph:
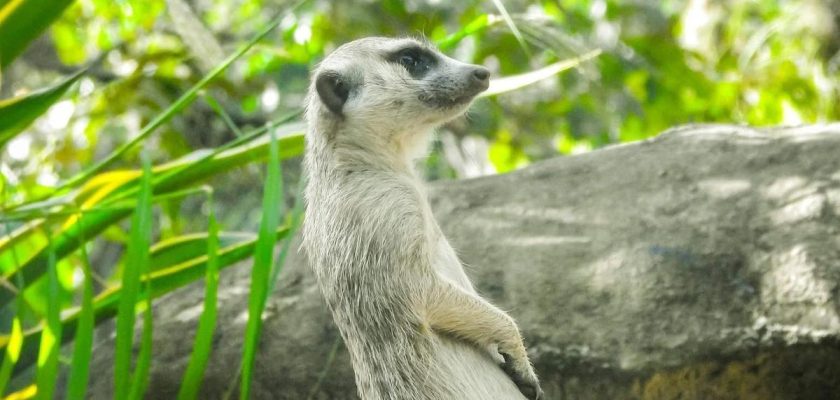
(702, 264)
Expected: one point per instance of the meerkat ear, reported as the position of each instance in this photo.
(333, 89)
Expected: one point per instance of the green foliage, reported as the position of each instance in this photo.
(165, 280)
(173, 109)
(24, 20)
(105, 199)
(571, 76)
(17, 113)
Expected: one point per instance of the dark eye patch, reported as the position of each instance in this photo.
(415, 59)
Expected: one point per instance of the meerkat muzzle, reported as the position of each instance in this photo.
(456, 88)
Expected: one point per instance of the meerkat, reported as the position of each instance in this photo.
(414, 325)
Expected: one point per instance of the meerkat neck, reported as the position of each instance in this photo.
(395, 153)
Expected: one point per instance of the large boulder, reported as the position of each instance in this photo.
(702, 264)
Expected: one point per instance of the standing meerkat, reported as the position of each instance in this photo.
(412, 321)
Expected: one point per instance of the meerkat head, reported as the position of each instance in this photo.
(392, 87)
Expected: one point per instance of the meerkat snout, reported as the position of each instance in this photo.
(475, 79)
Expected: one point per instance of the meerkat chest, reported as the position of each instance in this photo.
(444, 259)
(449, 266)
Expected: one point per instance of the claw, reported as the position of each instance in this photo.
(528, 385)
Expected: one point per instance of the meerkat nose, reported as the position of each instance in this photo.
(481, 73)
(480, 78)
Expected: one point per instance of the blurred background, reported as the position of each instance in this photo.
(663, 63)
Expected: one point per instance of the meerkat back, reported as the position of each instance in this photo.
(410, 318)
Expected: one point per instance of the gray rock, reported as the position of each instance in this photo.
(702, 264)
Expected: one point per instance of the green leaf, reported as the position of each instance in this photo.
(260, 272)
(83, 338)
(51, 338)
(21, 21)
(207, 323)
(137, 258)
(17, 113)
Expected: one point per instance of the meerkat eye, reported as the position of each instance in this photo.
(415, 60)
(409, 60)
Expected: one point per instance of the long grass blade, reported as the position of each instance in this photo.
(211, 101)
(140, 378)
(137, 255)
(83, 339)
(511, 83)
(12, 352)
(207, 322)
(263, 254)
(294, 219)
(512, 25)
(14, 343)
(550, 37)
(51, 338)
(180, 249)
(325, 371)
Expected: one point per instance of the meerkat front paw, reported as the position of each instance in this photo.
(522, 374)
